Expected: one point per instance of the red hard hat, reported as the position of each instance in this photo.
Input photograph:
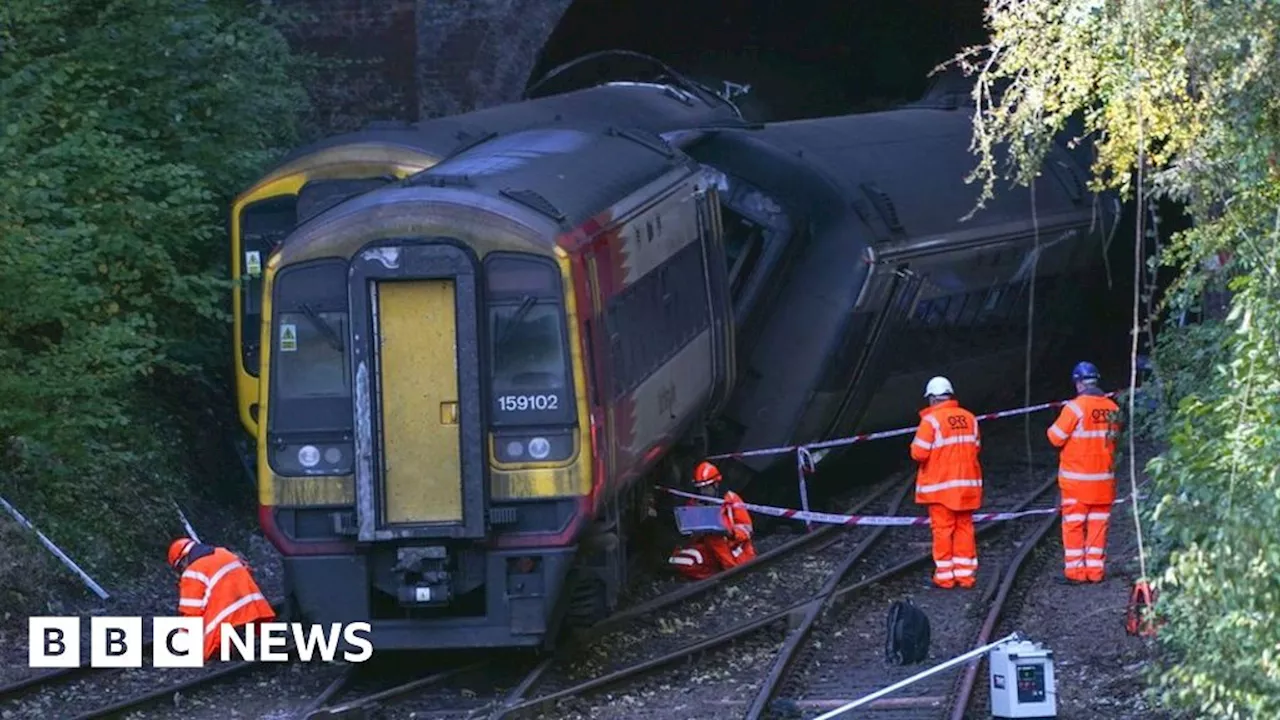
(178, 549)
(705, 474)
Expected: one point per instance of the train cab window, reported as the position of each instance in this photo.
(310, 370)
(263, 226)
(528, 348)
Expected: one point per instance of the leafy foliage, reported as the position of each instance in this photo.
(128, 125)
(1185, 92)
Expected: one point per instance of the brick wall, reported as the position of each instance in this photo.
(411, 59)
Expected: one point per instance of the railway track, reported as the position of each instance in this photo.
(817, 677)
(88, 693)
(653, 627)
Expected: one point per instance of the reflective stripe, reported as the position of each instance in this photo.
(1069, 475)
(680, 560)
(1096, 551)
(964, 573)
(1074, 517)
(736, 551)
(956, 440)
(1074, 553)
(942, 563)
(934, 422)
(1058, 431)
(973, 562)
(193, 575)
(1075, 409)
(1099, 515)
(695, 554)
(945, 575)
(191, 603)
(949, 484)
(1089, 434)
(744, 528)
(217, 620)
(1074, 565)
(217, 577)
(1094, 563)
(920, 443)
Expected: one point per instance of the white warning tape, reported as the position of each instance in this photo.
(852, 439)
(882, 520)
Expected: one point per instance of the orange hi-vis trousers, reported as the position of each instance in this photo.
(1084, 539)
(955, 554)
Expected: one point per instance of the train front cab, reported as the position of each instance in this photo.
(262, 216)
(375, 457)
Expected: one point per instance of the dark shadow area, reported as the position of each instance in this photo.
(802, 59)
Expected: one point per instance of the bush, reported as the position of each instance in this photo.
(1183, 93)
(128, 127)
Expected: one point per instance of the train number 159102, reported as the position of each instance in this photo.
(520, 403)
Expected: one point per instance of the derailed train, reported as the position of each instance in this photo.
(471, 378)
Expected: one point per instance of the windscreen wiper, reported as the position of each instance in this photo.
(330, 335)
(526, 304)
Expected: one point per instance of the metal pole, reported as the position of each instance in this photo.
(931, 671)
(190, 530)
(95, 587)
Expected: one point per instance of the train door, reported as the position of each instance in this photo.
(419, 445)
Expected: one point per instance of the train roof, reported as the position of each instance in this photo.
(649, 106)
(568, 174)
(562, 175)
(906, 166)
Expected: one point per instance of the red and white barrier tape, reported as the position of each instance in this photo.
(838, 442)
(885, 520)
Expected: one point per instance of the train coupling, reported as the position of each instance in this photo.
(424, 576)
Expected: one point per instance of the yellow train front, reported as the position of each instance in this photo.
(471, 378)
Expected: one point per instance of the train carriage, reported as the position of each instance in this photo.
(468, 376)
(884, 285)
(317, 176)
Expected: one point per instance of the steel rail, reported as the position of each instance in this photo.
(799, 635)
(775, 680)
(968, 680)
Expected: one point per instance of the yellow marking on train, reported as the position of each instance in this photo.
(311, 491)
(417, 357)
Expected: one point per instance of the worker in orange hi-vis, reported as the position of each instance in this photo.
(708, 554)
(215, 584)
(950, 482)
(1086, 431)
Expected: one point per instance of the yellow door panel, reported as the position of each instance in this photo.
(422, 473)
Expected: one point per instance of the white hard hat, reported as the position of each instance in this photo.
(938, 386)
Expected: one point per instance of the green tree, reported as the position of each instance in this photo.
(126, 128)
(1185, 96)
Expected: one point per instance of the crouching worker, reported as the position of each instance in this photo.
(709, 553)
(216, 585)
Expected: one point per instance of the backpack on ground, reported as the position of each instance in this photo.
(907, 637)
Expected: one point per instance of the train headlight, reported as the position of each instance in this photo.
(547, 446)
(333, 456)
(308, 456)
(539, 448)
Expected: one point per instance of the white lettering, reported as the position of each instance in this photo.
(177, 642)
(327, 641)
(243, 646)
(274, 635)
(522, 403)
(353, 639)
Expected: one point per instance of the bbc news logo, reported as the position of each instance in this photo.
(178, 642)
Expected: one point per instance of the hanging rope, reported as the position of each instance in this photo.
(1137, 286)
(1031, 315)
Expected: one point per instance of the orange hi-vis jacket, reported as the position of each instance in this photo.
(219, 587)
(737, 521)
(946, 446)
(1086, 431)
